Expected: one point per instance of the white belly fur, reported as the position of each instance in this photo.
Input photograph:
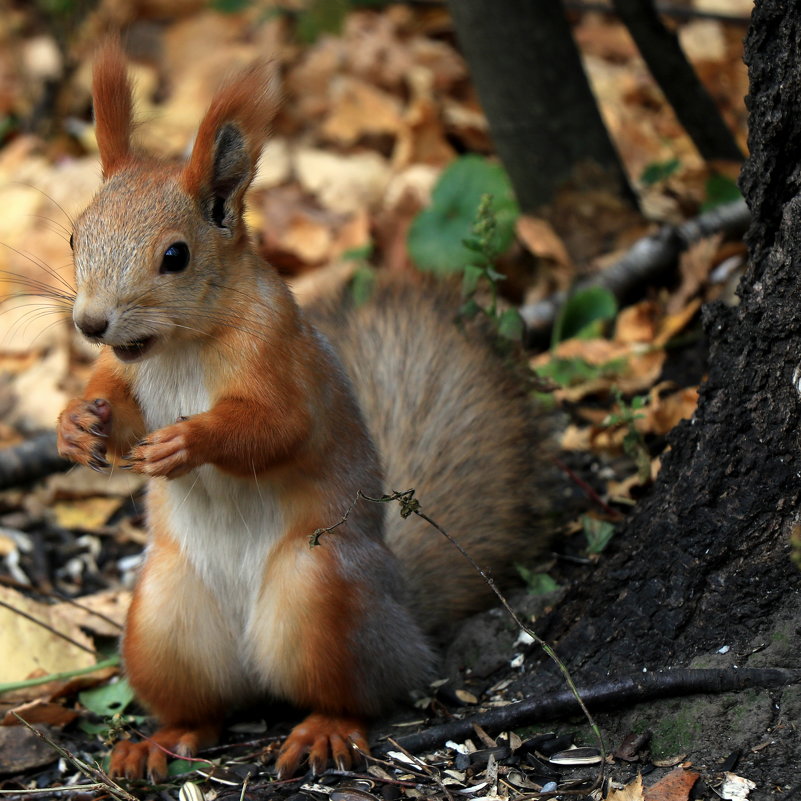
(226, 526)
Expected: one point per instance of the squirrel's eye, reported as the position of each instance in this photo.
(71, 248)
(175, 258)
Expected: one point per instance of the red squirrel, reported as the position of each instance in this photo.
(255, 431)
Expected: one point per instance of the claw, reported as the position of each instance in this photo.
(95, 431)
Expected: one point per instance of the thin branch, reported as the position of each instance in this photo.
(646, 259)
(619, 692)
(92, 771)
(10, 686)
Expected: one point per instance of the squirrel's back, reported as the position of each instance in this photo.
(452, 421)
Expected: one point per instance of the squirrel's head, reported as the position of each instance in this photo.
(155, 247)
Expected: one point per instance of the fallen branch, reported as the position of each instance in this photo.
(645, 259)
(620, 692)
(31, 460)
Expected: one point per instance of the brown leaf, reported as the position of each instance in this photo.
(359, 109)
(675, 786)
(540, 239)
(28, 647)
(39, 711)
(21, 749)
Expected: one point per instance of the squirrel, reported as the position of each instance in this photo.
(256, 429)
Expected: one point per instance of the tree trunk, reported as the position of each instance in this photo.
(540, 108)
(666, 61)
(704, 562)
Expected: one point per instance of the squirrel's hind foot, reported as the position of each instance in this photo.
(149, 757)
(322, 737)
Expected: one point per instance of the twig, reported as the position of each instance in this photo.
(30, 460)
(587, 489)
(113, 661)
(49, 628)
(645, 259)
(410, 505)
(57, 596)
(427, 769)
(623, 691)
(93, 772)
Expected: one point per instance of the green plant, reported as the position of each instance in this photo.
(584, 314)
(362, 283)
(537, 583)
(720, 190)
(598, 533)
(658, 171)
(633, 443)
(480, 273)
(436, 238)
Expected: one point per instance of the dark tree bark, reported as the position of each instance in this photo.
(539, 105)
(667, 63)
(704, 561)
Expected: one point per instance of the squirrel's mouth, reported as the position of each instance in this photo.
(133, 350)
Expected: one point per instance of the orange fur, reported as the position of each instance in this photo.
(113, 107)
(214, 385)
(248, 102)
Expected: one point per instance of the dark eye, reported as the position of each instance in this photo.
(175, 258)
(71, 247)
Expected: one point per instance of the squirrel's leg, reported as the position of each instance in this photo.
(321, 736)
(311, 606)
(179, 656)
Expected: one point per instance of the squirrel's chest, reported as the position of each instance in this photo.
(169, 386)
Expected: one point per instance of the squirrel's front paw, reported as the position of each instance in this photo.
(166, 452)
(82, 430)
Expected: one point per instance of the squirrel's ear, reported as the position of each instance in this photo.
(113, 106)
(229, 142)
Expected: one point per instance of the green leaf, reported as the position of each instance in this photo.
(178, 767)
(469, 309)
(598, 533)
(108, 700)
(436, 238)
(581, 310)
(320, 16)
(658, 171)
(472, 275)
(230, 6)
(720, 190)
(510, 325)
(362, 285)
(537, 583)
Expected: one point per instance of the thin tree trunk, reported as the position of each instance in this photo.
(694, 107)
(541, 111)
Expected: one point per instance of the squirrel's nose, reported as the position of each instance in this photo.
(93, 327)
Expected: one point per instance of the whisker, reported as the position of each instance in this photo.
(58, 225)
(41, 265)
(44, 194)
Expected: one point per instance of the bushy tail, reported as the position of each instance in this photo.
(451, 421)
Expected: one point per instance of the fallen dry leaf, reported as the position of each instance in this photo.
(359, 109)
(631, 792)
(101, 613)
(28, 647)
(541, 240)
(39, 711)
(21, 749)
(638, 323)
(675, 786)
(87, 513)
(736, 788)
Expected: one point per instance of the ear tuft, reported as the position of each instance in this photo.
(229, 142)
(113, 106)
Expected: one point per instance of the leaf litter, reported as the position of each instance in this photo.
(374, 115)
